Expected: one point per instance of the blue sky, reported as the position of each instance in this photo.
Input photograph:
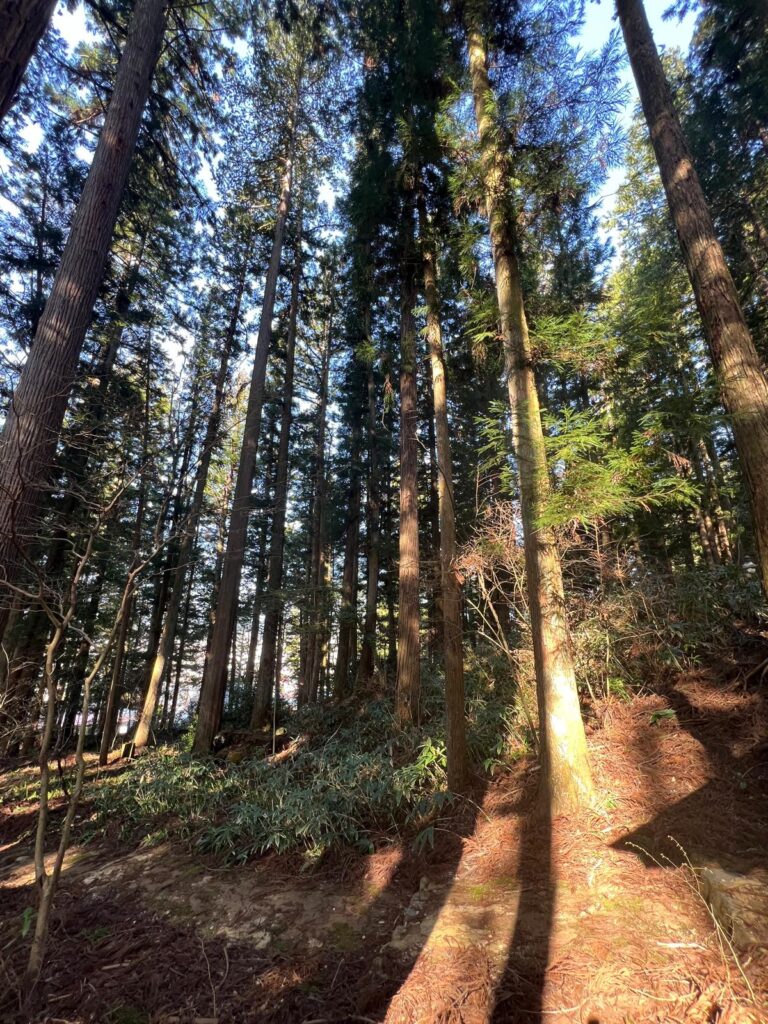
(600, 21)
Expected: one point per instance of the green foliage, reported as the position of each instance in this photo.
(663, 715)
(27, 917)
(599, 479)
(363, 781)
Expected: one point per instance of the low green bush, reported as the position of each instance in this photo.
(357, 778)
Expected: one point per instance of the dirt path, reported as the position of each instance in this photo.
(510, 918)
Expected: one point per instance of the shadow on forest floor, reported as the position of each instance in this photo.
(510, 918)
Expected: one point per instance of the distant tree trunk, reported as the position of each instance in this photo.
(22, 25)
(566, 777)
(316, 577)
(431, 564)
(390, 575)
(320, 681)
(274, 600)
(408, 666)
(258, 603)
(453, 654)
(738, 368)
(113, 694)
(267, 460)
(367, 662)
(170, 715)
(39, 402)
(346, 650)
(165, 646)
(80, 666)
(215, 672)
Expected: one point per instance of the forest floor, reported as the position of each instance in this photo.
(655, 908)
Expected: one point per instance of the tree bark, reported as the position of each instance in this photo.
(566, 777)
(367, 661)
(274, 602)
(316, 577)
(165, 646)
(39, 402)
(408, 658)
(346, 650)
(22, 25)
(740, 374)
(215, 672)
(453, 654)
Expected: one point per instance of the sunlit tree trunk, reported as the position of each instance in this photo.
(22, 24)
(453, 655)
(566, 777)
(737, 366)
(274, 600)
(215, 671)
(408, 661)
(37, 408)
(168, 635)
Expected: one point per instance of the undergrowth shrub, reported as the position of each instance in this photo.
(631, 622)
(357, 778)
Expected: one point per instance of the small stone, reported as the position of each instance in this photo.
(261, 939)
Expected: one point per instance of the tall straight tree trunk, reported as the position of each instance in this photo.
(168, 635)
(566, 777)
(215, 671)
(316, 565)
(39, 402)
(390, 575)
(258, 602)
(408, 667)
(737, 366)
(274, 602)
(453, 654)
(170, 715)
(367, 662)
(22, 24)
(432, 532)
(346, 650)
(268, 460)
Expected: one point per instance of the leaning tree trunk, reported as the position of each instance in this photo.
(37, 627)
(39, 402)
(453, 654)
(22, 24)
(738, 368)
(168, 635)
(274, 602)
(566, 777)
(408, 667)
(215, 672)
